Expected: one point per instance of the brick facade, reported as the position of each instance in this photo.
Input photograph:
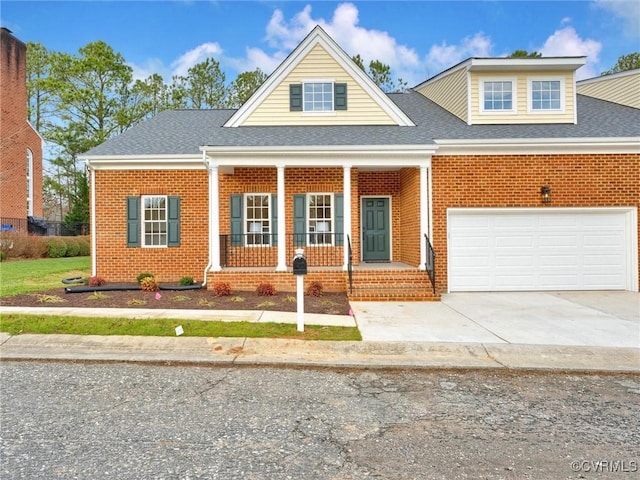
(515, 181)
(116, 262)
(16, 134)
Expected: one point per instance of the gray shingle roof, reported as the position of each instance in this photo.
(179, 132)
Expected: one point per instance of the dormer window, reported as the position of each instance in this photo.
(317, 96)
(546, 95)
(498, 96)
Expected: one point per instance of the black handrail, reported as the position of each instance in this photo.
(261, 249)
(430, 265)
(350, 265)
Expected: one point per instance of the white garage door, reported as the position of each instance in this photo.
(534, 249)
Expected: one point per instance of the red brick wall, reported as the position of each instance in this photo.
(248, 280)
(16, 135)
(409, 201)
(115, 261)
(515, 181)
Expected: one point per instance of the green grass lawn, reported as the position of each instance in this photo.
(16, 324)
(25, 276)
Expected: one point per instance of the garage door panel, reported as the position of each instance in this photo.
(537, 250)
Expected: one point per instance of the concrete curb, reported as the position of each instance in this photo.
(283, 352)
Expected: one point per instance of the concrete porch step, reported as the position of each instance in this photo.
(391, 285)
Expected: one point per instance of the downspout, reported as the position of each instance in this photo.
(92, 176)
(206, 269)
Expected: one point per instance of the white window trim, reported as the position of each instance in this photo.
(514, 95)
(245, 220)
(530, 109)
(143, 222)
(332, 219)
(29, 183)
(333, 100)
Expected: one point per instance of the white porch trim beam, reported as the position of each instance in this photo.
(282, 222)
(424, 214)
(347, 213)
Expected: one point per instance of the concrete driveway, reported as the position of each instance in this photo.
(603, 319)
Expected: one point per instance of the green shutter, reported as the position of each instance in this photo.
(295, 97)
(236, 220)
(274, 220)
(339, 96)
(133, 221)
(299, 220)
(339, 214)
(173, 221)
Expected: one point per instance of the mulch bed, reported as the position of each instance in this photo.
(200, 299)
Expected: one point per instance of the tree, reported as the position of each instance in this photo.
(244, 86)
(525, 54)
(40, 107)
(203, 87)
(631, 61)
(380, 73)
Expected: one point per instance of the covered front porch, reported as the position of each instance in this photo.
(352, 213)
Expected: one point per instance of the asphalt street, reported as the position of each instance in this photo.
(128, 421)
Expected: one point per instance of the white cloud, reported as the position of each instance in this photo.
(627, 11)
(443, 56)
(196, 55)
(149, 67)
(567, 42)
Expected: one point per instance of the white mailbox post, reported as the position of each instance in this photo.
(300, 270)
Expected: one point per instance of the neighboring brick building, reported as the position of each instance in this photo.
(499, 166)
(20, 144)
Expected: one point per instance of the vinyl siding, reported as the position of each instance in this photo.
(522, 114)
(624, 90)
(318, 64)
(450, 92)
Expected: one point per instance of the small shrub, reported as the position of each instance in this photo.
(315, 289)
(180, 298)
(143, 275)
(35, 247)
(206, 303)
(266, 290)
(185, 281)
(136, 301)
(221, 289)
(44, 298)
(85, 247)
(290, 299)
(236, 299)
(266, 305)
(96, 282)
(73, 247)
(149, 284)
(56, 247)
(97, 296)
(1, 256)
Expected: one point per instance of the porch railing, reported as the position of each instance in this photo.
(261, 249)
(430, 265)
(350, 265)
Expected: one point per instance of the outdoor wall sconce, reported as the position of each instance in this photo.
(545, 193)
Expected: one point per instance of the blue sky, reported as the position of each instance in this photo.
(417, 39)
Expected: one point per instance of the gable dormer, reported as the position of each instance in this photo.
(508, 90)
(318, 84)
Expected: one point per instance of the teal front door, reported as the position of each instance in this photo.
(376, 231)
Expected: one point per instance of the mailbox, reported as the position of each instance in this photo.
(299, 263)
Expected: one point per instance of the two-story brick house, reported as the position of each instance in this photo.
(20, 143)
(497, 165)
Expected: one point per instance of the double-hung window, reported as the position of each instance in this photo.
(498, 95)
(545, 95)
(154, 221)
(317, 96)
(258, 218)
(320, 218)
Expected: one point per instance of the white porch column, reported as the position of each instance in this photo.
(346, 192)
(94, 243)
(214, 218)
(424, 214)
(282, 223)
